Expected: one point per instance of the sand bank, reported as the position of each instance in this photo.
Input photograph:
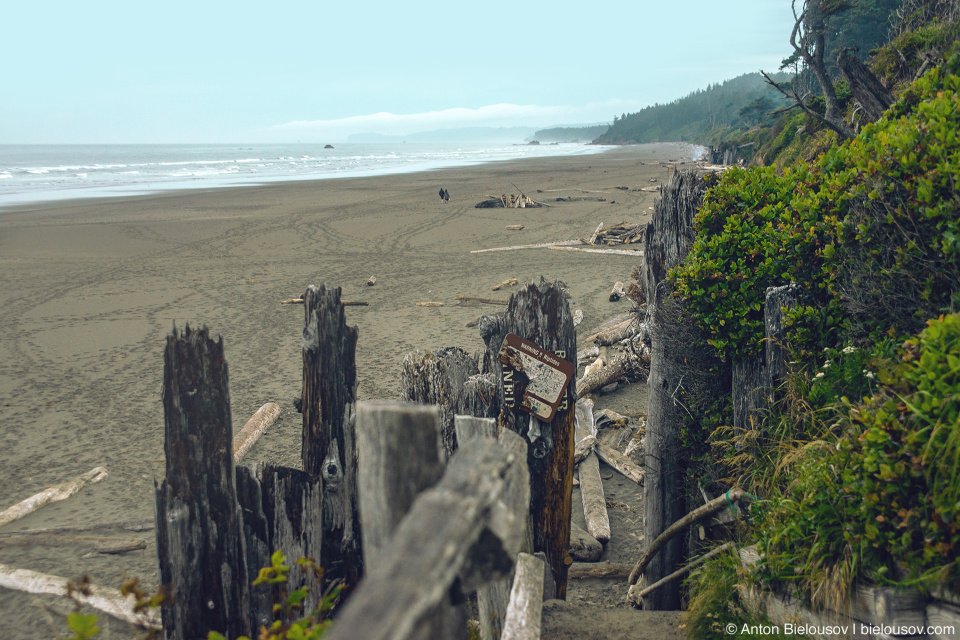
(89, 290)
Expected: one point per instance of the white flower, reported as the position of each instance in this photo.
(868, 374)
(819, 375)
(826, 365)
(849, 349)
(826, 348)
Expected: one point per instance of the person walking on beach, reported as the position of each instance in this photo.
(446, 195)
(442, 193)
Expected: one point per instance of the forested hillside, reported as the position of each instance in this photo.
(705, 116)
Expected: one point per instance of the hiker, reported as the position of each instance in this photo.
(446, 195)
(442, 193)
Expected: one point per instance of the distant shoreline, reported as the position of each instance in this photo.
(39, 175)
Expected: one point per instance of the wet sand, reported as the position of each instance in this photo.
(90, 289)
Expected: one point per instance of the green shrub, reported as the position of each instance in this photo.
(883, 501)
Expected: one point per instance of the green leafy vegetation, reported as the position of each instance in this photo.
(858, 461)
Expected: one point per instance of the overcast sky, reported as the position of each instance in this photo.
(171, 71)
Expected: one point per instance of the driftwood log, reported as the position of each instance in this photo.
(197, 514)
(685, 375)
(110, 601)
(624, 465)
(449, 527)
(256, 426)
(617, 292)
(618, 368)
(540, 313)
(328, 451)
(583, 546)
(594, 503)
(598, 572)
(523, 619)
(53, 494)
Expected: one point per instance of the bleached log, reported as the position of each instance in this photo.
(109, 601)
(594, 366)
(593, 238)
(100, 544)
(482, 300)
(607, 572)
(514, 227)
(509, 282)
(583, 448)
(618, 368)
(617, 292)
(623, 326)
(256, 426)
(594, 503)
(129, 525)
(619, 252)
(590, 353)
(372, 281)
(346, 303)
(526, 600)
(430, 304)
(541, 245)
(583, 546)
(637, 595)
(53, 494)
(621, 463)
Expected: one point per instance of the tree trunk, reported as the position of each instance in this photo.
(540, 313)
(199, 526)
(749, 397)
(329, 438)
(685, 376)
(777, 300)
(865, 87)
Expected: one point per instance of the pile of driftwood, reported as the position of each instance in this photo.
(623, 233)
(509, 201)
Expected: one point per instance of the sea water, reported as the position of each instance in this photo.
(41, 173)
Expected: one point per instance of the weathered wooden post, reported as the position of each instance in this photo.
(540, 314)
(199, 526)
(441, 378)
(775, 371)
(685, 376)
(329, 440)
(400, 457)
(458, 535)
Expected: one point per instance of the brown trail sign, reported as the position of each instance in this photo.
(540, 314)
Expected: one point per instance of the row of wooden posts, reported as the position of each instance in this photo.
(412, 506)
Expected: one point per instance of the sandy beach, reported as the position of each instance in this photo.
(90, 289)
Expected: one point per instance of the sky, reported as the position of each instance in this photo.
(284, 71)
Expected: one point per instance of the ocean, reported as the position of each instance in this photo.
(42, 173)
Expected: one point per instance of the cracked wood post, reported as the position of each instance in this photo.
(525, 611)
(685, 376)
(282, 510)
(199, 525)
(539, 313)
(329, 428)
(400, 457)
(455, 538)
(777, 300)
(440, 378)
